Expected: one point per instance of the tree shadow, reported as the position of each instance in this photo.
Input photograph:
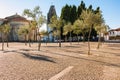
(32, 56)
(113, 45)
(116, 54)
(51, 46)
(49, 59)
(88, 59)
(28, 50)
(78, 52)
(71, 46)
(38, 57)
(114, 48)
(7, 51)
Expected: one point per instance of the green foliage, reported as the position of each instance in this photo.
(33, 25)
(89, 16)
(73, 14)
(7, 28)
(78, 27)
(36, 15)
(55, 24)
(67, 28)
(41, 20)
(81, 7)
(101, 28)
(32, 13)
(24, 30)
(97, 10)
(90, 8)
(65, 13)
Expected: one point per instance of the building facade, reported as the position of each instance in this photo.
(113, 34)
(2, 21)
(16, 21)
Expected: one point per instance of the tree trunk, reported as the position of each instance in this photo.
(89, 41)
(78, 38)
(34, 35)
(26, 40)
(7, 40)
(60, 41)
(29, 40)
(70, 39)
(83, 38)
(2, 42)
(99, 40)
(39, 43)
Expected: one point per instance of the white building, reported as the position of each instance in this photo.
(113, 34)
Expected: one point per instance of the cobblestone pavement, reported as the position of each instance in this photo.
(20, 62)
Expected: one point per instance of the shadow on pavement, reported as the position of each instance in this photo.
(88, 59)
(38, 57)
(32, 56)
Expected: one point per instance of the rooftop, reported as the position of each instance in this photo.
(118, 29)
(16, 17)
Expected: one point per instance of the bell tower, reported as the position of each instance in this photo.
(51, 13)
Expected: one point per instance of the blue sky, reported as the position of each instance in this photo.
(110, 8)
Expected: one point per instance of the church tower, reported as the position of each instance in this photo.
(51, 13)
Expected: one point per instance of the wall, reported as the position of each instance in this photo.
(15, 26)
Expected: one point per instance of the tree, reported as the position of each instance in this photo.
(44, 33)
(79, 27)
(38, 18)
(41, 21)
(68, 29)
(90, 8)
(73, 14)
(101, 29)
(2, 36)
(91, 19)
(24, 30)
(65, 13)
(56, 25)
(81, 7)
(33, 25)
(76, 31)
(6, 32)
(97, 10)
